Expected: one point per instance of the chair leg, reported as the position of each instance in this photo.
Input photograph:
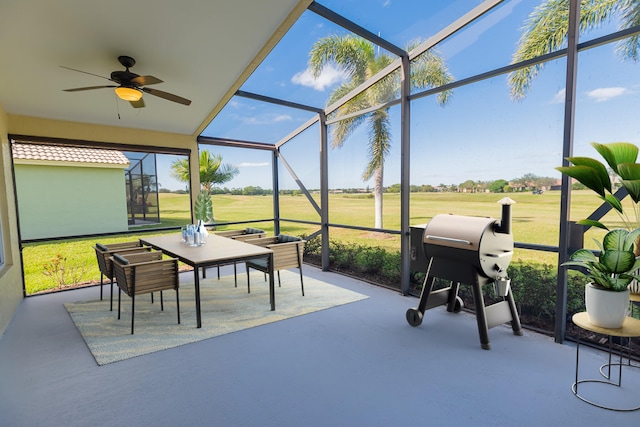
(218, 272)
(111, 295)
(178, 305)
(300, 268)
(151, 297)
(119, 294)
(133, 310)
(279, 285)
(161, 302)
(235, 274)
(248, 279)
(101, 276)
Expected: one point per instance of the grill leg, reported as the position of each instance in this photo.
(481, 315)
(451, 300)
(515, 319)
(427, 287)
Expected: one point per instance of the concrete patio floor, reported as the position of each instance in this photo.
(360, 364)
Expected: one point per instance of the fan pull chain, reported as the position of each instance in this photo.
(117, 106)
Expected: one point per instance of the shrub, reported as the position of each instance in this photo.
(533, 285)
(62, 273)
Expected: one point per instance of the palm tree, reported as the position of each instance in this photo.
(360, 60)
(212, 171)
(546, 30)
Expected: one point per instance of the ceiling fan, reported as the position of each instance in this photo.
(131, 85)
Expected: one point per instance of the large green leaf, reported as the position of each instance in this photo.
(629, 171)
(592, 223)
(589, 172)
(613, 202)
(616, 153)
(615, 240)
(617, 261)
(620, 283)
(203, 206)
(582, 255)
(631, 239)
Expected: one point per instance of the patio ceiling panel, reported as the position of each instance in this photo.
(202, 51)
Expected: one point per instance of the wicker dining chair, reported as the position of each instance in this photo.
(144, 273)
(287, 253)
(104, 254)
(241, 235)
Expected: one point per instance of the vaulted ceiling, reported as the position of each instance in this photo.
(202, 50)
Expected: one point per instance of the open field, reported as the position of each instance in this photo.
(535, 220)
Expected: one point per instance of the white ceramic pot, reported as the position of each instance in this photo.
(606, 309)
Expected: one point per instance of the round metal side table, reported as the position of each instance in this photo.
(630, 328)
(633, 300)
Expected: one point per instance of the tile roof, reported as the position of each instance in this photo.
(60, 153)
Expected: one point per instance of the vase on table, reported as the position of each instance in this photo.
(202, 232)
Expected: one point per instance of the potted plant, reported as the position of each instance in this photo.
(622, 159)
(609, 274)
(203, 213)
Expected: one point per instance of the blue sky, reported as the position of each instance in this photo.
(449, 144)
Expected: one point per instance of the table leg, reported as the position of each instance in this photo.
(272, 289)
(197, 290)
(575, 384)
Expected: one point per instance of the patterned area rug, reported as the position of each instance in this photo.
(225, 309)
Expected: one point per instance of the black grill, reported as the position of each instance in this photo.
(468, 250)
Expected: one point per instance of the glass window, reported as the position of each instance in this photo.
(302, 154)
(247, 196)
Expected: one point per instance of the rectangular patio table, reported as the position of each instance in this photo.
(217, 251)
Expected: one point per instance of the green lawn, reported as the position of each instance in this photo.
(535, 220)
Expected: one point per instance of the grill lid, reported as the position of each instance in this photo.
(477, 241)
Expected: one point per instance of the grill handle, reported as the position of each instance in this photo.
(504, 254)
(448, 239)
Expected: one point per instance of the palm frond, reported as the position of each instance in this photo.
(430, 71)
(630, 47)
(546, 30)
(380, 137)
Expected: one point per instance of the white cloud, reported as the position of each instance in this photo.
(329, 76)
(265, 120)
(282, 118)
(252, 165)
(558, 98)
(606, 93)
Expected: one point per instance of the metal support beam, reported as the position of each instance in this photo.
(355, 28)
(567, 151)
(235, 143)
(440, 36)
(324, 191)
(405, 177)
(300, 184)
(276, 193)
(277, 101)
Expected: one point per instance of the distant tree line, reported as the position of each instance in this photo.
(528, 182)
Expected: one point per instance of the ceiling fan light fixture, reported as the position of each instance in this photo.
(128, 93)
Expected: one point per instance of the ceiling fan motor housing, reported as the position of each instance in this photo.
(123, 77)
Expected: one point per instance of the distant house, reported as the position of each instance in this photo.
(68, 191)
